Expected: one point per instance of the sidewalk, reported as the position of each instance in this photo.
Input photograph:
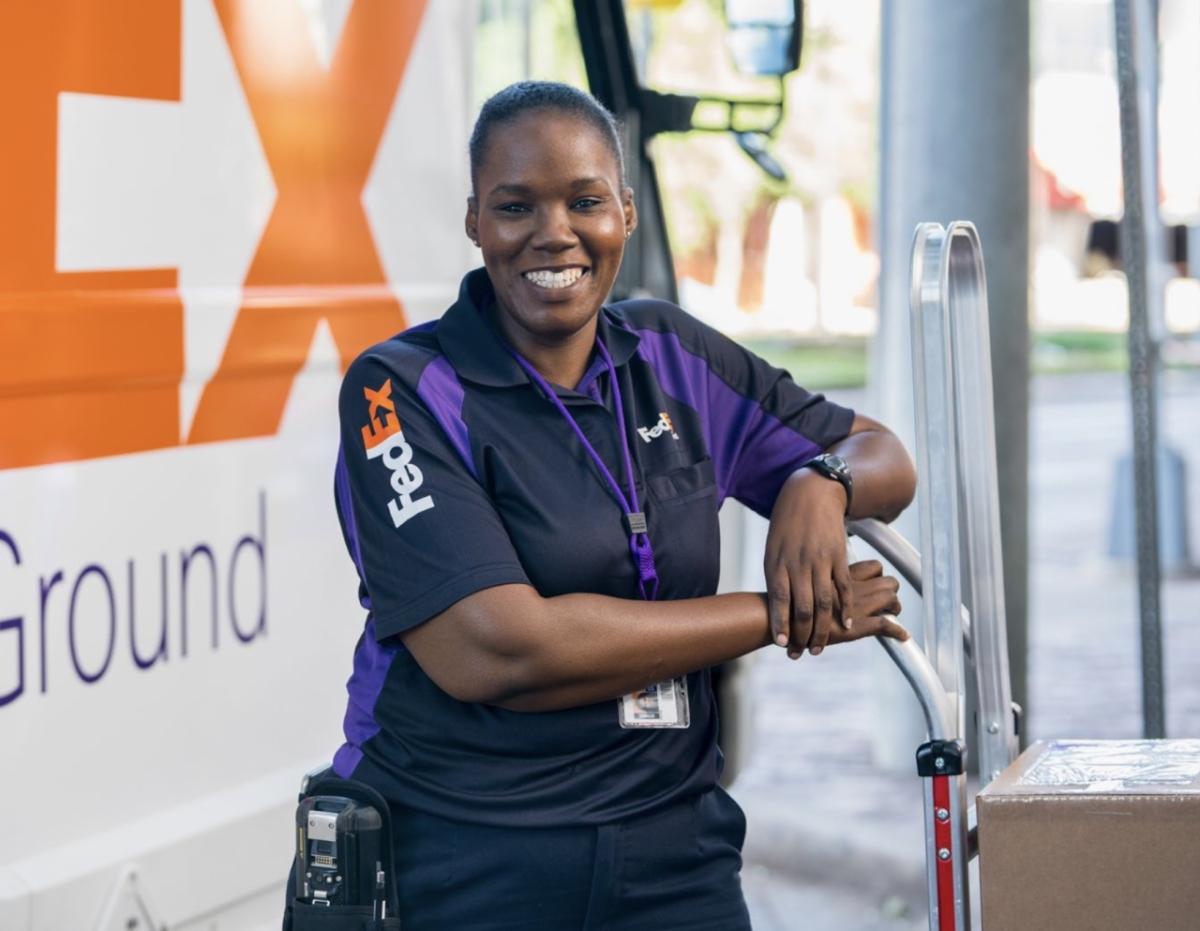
(822, 816)
(819, 812)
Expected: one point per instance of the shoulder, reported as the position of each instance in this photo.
(644, 314)
(669, 330)
(402, 359)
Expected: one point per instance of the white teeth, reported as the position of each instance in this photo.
(548, 279)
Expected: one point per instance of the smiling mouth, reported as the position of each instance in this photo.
(555, 280)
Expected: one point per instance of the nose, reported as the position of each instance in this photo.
(554, 232)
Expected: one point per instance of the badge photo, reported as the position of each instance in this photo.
(664, 704)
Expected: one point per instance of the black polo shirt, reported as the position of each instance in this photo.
(456, 474)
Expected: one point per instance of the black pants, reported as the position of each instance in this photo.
(677, 868)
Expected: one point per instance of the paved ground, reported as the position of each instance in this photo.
(777, 902)
(834, 841)
(1084, 649)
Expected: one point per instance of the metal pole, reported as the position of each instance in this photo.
(954, 144)
(1135, 24)
(525, 9)
(897, 729)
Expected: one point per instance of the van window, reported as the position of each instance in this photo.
(754, 256)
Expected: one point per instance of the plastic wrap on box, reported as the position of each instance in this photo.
(1115, 765)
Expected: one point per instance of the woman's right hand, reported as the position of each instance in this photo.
(876, 603)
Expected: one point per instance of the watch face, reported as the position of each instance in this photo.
(836, 463)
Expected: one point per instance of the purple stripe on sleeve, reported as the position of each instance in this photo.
(778, 451)
(753, 452)
(346, 760)
(372, 660)
(442, 393)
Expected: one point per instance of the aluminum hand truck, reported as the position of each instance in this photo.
(961, 577)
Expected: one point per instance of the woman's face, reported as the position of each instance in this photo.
(551, 219)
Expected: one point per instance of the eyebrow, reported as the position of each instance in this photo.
(525, 189)
(509, 189)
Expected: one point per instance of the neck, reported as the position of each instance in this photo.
(561, 362)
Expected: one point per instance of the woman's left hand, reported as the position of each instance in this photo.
(808, 579)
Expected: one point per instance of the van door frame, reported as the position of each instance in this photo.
(612, 78)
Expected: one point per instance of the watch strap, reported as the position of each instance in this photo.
(836, 468)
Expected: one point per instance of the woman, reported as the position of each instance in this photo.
(529, 488)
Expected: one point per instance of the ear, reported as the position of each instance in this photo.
(630, 210)
(471, 220)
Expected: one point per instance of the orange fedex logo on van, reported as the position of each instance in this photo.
(383, 439)
(104, 348)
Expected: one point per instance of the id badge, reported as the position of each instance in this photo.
(664, 704)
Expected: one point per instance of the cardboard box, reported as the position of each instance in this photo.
(1093, 835)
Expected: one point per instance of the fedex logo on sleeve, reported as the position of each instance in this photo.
(384, 440)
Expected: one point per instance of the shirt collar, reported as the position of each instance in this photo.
(473, 346)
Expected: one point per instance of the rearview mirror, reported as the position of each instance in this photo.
(765, 35)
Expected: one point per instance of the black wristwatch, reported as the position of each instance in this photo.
(834, 467)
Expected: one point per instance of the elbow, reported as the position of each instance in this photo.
(906, 490)
(502, 653)
(523, 681)
(486, 688)
(485, 679)
(892, 489)
(901, 484)
(512, 688)
(523, 675)
(491, 675)
(892, 475)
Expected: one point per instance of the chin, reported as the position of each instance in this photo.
(556, 327)
(553, 317)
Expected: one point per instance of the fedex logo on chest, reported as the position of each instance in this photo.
(384, 440)
(664, 425)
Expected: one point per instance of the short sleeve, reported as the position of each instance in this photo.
(761, 425)
(794, 426)
(421, 529)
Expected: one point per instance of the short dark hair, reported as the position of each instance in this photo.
(525, 96)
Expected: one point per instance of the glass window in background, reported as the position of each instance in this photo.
(775, 263)
(520, 40)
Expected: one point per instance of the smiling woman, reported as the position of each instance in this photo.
(551, 213)
(531, 694)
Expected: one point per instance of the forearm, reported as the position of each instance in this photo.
(615, 646)
(508, 646)
(884, 477)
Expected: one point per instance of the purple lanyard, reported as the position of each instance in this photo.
(635, 519)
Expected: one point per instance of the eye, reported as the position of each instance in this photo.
(511, 208)
(586, 203)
